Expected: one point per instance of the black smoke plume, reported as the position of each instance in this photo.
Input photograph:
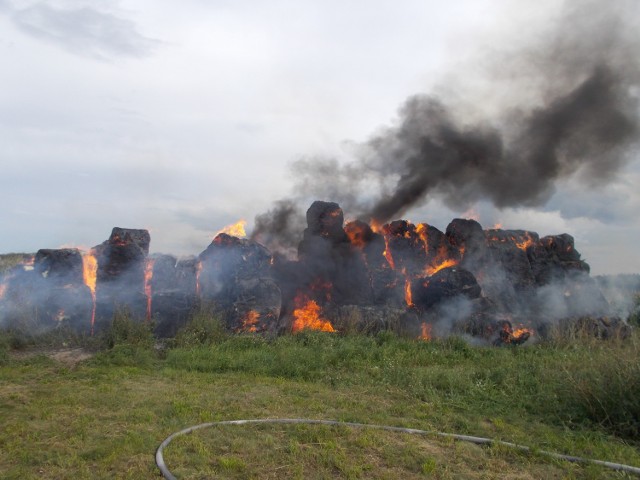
(582, 123)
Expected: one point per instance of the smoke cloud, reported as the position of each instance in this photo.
(573, 112)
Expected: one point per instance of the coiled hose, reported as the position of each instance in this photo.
(466, 438)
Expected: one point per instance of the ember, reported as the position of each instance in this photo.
(250, 322)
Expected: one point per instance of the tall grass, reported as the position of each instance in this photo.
(604, 388)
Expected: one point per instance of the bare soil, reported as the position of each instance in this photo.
(69, 357)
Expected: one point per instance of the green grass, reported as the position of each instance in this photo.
(104, 417)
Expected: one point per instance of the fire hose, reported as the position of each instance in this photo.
(466, 438)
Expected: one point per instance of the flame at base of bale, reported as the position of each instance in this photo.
(425, 331)
(250, 322)
(509, 336)
(307, 316)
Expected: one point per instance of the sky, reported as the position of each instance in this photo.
(184, 117)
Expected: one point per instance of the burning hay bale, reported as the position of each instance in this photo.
(235, 275)
(62, 266)
(354, 277)
(446, 284)
(120, 279)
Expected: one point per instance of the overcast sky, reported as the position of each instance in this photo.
(183, 117)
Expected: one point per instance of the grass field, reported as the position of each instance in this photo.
(103, 417)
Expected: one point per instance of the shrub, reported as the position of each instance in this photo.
(125, 330)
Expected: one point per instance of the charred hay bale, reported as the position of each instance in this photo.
(186, 272)
(59, 266)
(340, 264)
(406, 247)
(555, 259)
(513, 263)
(364, 319)
(164, 276)
(171, 311)
(507, 276)
(326, 219)
(257, 307)
(438, 248)
(370, 244)
(69, 306)
(236, 276)
(121, 257)
(388, 288)
(468, 237)
(562, 247)
(360, 233)
(121, 274)
(445, 284)
(227, 261)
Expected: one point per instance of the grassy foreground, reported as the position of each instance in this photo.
(105, 416)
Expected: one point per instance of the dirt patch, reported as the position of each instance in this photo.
(67, 356)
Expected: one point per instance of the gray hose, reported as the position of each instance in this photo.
(478, 440)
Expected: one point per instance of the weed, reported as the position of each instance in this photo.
(205, 328)
(125, 330)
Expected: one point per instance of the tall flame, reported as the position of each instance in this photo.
(148, 275)
(387, 254)
(235, 230)
(407, 292)
(307, 315)
(198, 271)
(3, 290)
(89, 277)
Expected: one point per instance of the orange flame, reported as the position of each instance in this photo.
(89, 277)
(407, 292)
(148, 275)
(441, 261)
(198, 271)
(308, 316)
(355, 233)
(250, 321)
(433, 269)
(425, 331)
(235, 230)
(525, 243)
(376, 226)
(387, 254)
(3, 290)
(421, 230)
(517, 333)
